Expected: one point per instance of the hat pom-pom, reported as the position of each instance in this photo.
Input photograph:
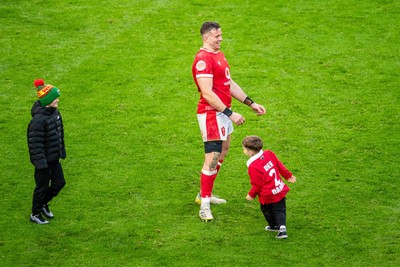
(38, 82)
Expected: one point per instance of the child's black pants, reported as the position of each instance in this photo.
(275, 213)
(49, 182)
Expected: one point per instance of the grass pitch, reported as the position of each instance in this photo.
(327, 72)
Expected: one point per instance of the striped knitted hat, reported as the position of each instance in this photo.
(46, 92)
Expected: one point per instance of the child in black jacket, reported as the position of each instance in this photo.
(46, 146)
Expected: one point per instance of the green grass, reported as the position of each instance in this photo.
(327, 72)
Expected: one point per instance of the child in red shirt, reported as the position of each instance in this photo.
(265, 171)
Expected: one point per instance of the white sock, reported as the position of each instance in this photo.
(205, 203)
(282, 228)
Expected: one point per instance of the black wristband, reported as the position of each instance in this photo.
(248, 101)
(227, 111)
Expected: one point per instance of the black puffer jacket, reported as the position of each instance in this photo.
(45, 136)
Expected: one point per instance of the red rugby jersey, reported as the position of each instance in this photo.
(265, 171)
(213, 65)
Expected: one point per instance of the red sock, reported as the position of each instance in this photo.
(207, 179)
(219, 164)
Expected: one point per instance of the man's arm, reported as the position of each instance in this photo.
(205, 85)
(238, 94)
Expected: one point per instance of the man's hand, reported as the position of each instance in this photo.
(249, 198)
(258, 109)
(237, 118)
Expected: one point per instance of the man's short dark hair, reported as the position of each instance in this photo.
(208, 26)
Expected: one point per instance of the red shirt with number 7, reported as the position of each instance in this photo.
(265, 171)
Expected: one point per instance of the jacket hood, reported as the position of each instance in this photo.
(37, 108)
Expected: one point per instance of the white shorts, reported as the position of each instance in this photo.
(214, 126)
